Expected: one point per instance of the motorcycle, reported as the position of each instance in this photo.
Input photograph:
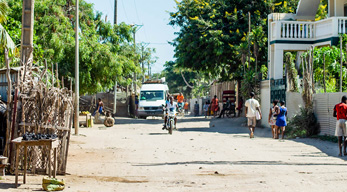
(180, 110)
(170, 124)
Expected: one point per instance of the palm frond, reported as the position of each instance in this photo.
(6, 41)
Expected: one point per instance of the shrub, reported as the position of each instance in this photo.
(304, 124)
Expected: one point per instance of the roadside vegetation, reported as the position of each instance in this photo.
(107, 53)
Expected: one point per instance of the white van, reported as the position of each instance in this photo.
(152, 97)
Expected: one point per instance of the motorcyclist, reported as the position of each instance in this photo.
(165, 112)
(171, 105)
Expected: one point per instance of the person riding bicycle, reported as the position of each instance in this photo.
(180, 100)
(171, 106)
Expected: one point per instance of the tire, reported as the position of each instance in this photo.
(170, 127)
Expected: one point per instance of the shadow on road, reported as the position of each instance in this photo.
(228, 126)
(239, 163)
(238, 127)
(157, 120)
(8, 185)
(123, 120)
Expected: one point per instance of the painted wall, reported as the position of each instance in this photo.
(265, 102)
(293, 103)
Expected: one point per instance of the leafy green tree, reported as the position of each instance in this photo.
(106, 50)
(213, 34)
(175, 80)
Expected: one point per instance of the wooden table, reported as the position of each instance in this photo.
(51, 143)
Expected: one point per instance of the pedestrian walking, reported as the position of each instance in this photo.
(206, 107)
(196, 108)
(252, 108)
(340, 112)
(240, 106)
(209, 108)
(273, 118)
(214, 107)
(281, 121)
(186, 107)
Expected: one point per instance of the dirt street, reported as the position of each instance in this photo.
(203, 155)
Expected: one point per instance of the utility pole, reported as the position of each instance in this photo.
(249, 33)
(341, 64)
(27, 29)
(134, 33)
(115, 84)
(143, 47)
(77, 91)
(135, 61)
(143, 65)
(115, 12)
(148, 70)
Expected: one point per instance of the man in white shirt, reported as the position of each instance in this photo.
(171, 105)
(252, 107)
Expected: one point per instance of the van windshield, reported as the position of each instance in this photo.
(152, 95)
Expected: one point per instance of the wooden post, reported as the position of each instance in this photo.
(9, 101)
(56, 75)
(25, 163)
(46, 76)
(27, 30)
(52, 75)
(325, 88)
(77, 88)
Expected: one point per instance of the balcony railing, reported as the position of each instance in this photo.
(308, 31)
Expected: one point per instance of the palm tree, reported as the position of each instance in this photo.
(6, 41)
(242, 51)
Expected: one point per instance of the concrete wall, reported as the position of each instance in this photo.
(323, 106)
(218, 88)
(108, 100)
(265, 102)
(293, 103)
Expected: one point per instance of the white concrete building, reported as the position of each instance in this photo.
(298, 32)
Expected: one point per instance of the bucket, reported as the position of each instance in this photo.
(90, 123)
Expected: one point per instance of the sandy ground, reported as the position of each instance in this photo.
(203, 155)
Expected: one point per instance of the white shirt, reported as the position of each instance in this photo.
(251, 105)
(173, 105)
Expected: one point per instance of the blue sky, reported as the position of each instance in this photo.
(153, 15)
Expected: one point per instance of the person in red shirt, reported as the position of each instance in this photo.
(180, 99)
(340, 112)
(214, 107)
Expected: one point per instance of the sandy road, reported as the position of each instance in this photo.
(203, 155)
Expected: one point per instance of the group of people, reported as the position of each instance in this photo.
(277, 116)
(211, 107)
(277, 119)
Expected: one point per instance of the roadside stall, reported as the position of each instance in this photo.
(39, 122)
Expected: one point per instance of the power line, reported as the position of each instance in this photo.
(126, 16)
(137, 14)
(160, 44)
(138, 18)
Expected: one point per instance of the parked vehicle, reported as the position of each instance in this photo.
(152, 96)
